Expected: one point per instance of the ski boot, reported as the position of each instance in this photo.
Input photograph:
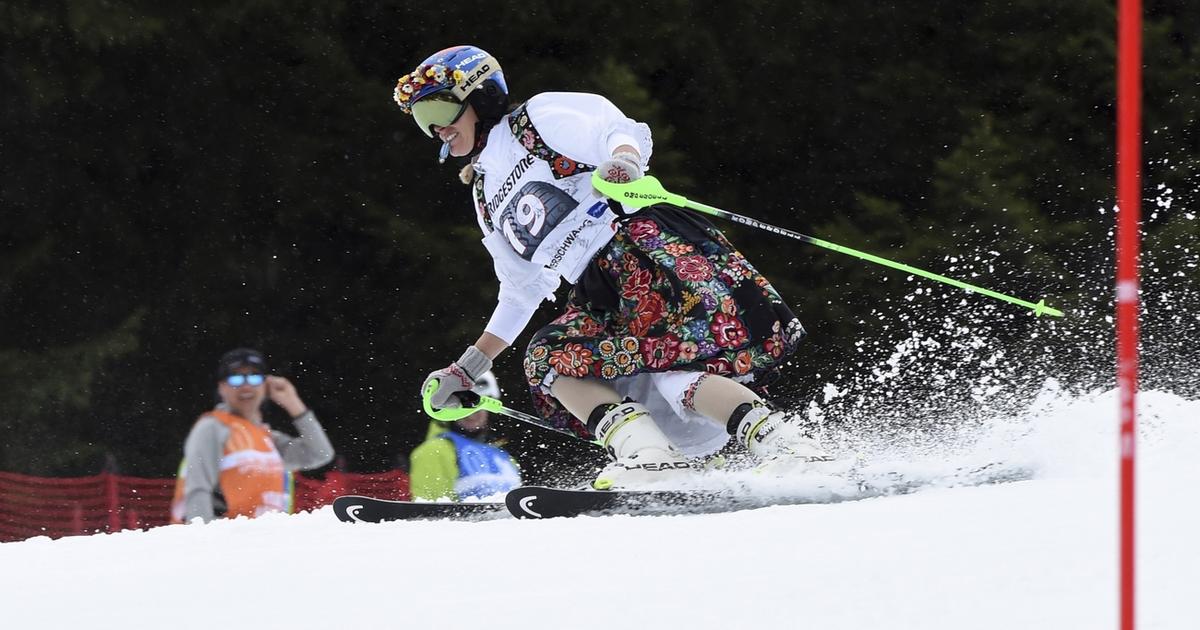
(780, 446)
(642, 455)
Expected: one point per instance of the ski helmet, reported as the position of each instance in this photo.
(447, 81)
(486, 385)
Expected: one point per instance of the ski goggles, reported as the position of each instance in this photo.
(441, 112)
(237, 380)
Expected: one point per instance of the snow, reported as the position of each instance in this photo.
(1040, 553)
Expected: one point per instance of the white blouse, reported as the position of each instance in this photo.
(539, 227)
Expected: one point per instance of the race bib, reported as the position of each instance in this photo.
(533, 213)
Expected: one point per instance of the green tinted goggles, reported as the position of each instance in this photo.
(442, 113)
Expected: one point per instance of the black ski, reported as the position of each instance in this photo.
(536, 502)
(359, 509)
(541, 502)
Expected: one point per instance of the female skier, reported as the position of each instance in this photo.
(667, 326)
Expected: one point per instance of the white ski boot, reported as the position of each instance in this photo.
(642, 455)
(781, 446)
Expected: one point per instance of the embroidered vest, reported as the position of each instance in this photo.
(527, 135)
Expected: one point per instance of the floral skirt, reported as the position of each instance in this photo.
(667, 293)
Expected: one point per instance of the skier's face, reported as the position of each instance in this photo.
(474, 423)
(460, 133)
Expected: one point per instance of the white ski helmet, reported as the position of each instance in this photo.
(486, 385)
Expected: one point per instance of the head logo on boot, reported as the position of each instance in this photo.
(756, 429)
(616, 417)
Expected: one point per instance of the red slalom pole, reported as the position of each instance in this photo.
(1129, 197)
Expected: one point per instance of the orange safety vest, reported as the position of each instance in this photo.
(252, 478)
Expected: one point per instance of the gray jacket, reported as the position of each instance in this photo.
(205, 445)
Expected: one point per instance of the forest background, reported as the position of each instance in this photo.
(180, 180)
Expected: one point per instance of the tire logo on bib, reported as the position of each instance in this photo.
(536, 209)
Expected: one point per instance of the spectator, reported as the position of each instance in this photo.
(233, 463)
(459, 460)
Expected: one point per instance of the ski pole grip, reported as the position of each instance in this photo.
(639, 193)
(471, 402)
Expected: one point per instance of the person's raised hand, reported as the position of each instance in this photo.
(283, 393)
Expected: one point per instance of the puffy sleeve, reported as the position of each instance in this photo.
(523, 286)
(587, 127)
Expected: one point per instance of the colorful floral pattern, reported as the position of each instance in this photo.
(682, 306)
(481, 205)
(433, 75)
(560, 165)
(573, 360)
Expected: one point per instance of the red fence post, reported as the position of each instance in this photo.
(113, 502)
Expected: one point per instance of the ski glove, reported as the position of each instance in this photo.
(621, 168)
(457, 377)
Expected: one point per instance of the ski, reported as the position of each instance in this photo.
(542, 502)
(536, 502)
(360, 509)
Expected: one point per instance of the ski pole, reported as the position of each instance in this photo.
(473, 402)
(648, 191)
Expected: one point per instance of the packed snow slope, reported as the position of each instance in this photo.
(1040, 553)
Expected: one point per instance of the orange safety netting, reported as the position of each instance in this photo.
(56, 506)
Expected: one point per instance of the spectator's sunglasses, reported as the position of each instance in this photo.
(237, 380)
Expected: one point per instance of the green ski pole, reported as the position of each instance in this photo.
(648, 191)
(483, 403)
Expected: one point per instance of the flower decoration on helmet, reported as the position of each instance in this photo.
(459, 70)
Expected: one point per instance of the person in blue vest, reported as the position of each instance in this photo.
(459, 459)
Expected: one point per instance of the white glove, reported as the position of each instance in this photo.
(621, 168)
(457, 377)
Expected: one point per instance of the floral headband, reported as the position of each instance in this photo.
(420, 80)
(468, 75)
